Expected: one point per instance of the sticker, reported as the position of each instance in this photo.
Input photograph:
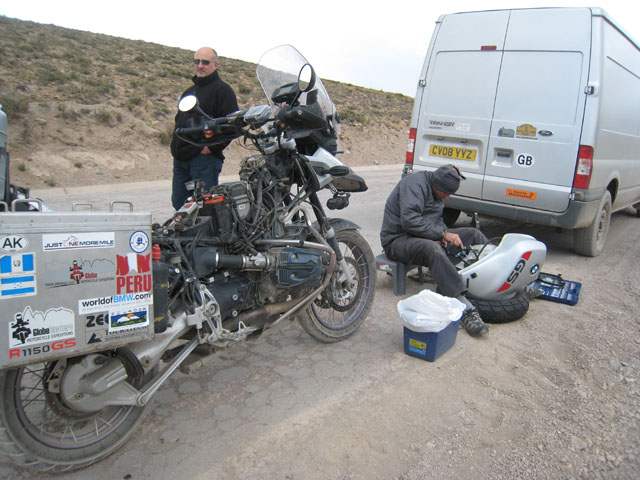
(525, 160)
(526, 130)
(97, 321)
(463, 127)
(139, 241)
(103, 304)
(523, 194)
(417, 347)
(13, 243)
(17, 275)
(133, 273)
(98, 336)
(71, 241)
(80, 271)
(506, 132)
(39, 349)
(128, 319)
(32, 328)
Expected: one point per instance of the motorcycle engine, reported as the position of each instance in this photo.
(223, 210)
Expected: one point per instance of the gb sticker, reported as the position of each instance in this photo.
(525, 160)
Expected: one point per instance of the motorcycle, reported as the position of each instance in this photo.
(499, 278)
(229, 264)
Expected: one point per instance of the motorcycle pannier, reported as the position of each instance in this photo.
(72, 283)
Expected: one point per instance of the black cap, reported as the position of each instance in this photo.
(447, 179)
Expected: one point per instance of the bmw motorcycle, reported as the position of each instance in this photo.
(232, 262)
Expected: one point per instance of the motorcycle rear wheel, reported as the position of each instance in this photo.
(340, 310)
(39, 432)
(502, 311)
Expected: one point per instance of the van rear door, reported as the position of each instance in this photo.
(457, 106)
(539, 108)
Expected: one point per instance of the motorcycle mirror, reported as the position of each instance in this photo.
(187, 103)
(306, 78)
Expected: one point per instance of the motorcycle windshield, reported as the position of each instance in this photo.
(281, 66)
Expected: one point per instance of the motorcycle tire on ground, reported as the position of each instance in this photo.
(502, 311)
(339, 311)
(40, 433)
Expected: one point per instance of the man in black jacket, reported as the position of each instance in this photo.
(217, 99)
(414, 232)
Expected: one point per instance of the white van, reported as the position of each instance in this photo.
(540, 110)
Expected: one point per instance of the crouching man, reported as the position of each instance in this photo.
(413, 232)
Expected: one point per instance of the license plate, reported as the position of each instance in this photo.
(456, 153)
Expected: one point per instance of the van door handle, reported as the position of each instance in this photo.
(502, 153)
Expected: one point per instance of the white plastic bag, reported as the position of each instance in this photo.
(429, 311)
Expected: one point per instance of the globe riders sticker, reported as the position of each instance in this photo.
(30, 327)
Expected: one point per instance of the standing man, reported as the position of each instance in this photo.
(414, 232)
(217, 99)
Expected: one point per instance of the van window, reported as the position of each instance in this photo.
(532, 81)
(469, 78)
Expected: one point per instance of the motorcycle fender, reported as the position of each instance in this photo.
(340, 224)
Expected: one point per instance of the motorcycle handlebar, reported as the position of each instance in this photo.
(207, 125)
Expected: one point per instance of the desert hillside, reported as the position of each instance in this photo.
(87, 108)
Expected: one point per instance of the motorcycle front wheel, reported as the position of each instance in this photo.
(39, 432)
(340, 310)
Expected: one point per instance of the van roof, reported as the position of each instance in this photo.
(595, 12)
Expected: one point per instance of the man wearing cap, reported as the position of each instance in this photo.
(413, 232)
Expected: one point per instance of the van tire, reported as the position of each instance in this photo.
(590, 241)
(450, 216)
(502, 311)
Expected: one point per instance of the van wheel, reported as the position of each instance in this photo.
(637, 207)
(450, 216)
(589, 241)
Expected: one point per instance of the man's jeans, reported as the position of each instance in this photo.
(203, 167)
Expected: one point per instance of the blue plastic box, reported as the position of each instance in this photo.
(430, 345)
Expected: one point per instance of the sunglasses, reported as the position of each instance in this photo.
(196, 61)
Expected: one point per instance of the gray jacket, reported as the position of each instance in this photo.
(413, 209)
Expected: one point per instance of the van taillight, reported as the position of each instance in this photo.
(584, 167)
(411, 146)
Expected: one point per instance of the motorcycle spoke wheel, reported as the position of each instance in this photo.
(42, 433)
(340, 310)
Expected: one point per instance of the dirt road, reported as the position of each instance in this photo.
(554, 395)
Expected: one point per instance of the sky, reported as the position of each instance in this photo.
(379, 45)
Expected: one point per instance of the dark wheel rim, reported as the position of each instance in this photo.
(339, 307)
(48, 421)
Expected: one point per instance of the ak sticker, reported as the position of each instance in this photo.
(13, 243)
